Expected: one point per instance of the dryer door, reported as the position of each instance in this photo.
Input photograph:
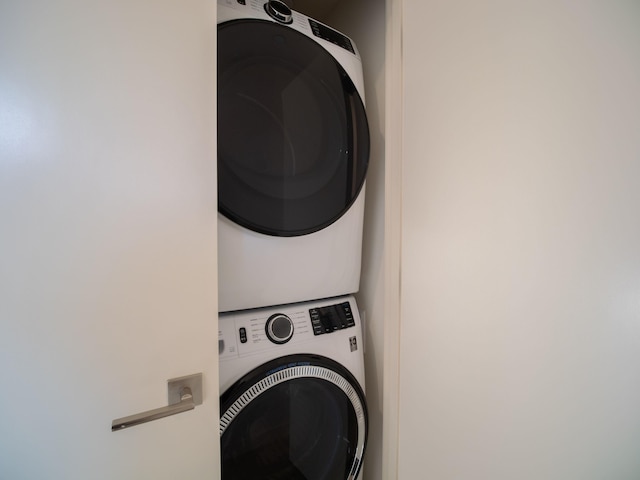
(299, 417)
(293, 139)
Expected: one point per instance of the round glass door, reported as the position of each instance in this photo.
(301, 417)
(293, 138)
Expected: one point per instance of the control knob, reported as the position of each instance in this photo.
(279, 11)
(279, 328)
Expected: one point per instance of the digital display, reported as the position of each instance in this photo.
(326, 33)
(331, 318)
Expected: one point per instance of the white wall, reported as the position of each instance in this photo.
(520, 340)
(364, 22)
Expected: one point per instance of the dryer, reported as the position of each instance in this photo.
(292, 402)
(293, 151)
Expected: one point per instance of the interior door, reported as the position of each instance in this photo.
(108, 238)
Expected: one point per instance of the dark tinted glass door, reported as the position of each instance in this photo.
(303, 428)
(293, 140)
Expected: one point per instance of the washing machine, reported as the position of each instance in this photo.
(293, 151)
(292, 402)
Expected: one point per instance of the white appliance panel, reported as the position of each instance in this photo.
(257, 269)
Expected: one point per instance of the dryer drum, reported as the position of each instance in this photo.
(293, 138)
(299, 417)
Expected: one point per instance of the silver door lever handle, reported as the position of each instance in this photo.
(185, 404)
(187, 399)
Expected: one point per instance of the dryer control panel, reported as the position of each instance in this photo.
(331, 35)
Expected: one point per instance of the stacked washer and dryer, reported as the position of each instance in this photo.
(293, 150)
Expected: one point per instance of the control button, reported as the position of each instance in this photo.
(279, 328)
(243, 335)
(242, 2)
(348, 314)
(314, 314)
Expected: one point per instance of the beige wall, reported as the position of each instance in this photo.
(520, 334)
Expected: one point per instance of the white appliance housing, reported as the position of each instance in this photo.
(253, 366)
(258, 269)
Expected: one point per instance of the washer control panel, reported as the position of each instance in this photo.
(252, 331)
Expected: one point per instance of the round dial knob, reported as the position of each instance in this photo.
(279, 328)
(279, 11)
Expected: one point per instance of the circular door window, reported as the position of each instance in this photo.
(301, 417)
(293, 138)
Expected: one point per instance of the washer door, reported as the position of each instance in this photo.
(293, 139)
(300, 417)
